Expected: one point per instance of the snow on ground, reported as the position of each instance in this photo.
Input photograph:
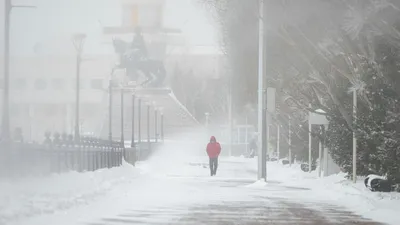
(338, 190)
(258, 184)
(177, 177)
(28, 197)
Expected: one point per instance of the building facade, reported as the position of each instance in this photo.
(43, 86)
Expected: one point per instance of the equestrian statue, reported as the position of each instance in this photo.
(134, 58)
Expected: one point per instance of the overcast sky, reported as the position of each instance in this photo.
(60, 18)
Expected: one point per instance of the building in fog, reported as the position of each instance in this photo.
(43, 84)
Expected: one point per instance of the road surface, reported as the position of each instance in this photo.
(191, 197)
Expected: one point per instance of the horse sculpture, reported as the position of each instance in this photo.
(134, 60)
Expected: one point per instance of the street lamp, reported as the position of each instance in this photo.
(156, 124)
(78, 41)
(110, 105)
(207, 114)
(290, 141)
(162, 126)
(122, 117)
(5, 128)
(148, 126)
(133, 120)
(354, 136)
(262, 143)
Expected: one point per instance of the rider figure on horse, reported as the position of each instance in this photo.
(138, 43)
(134, 57)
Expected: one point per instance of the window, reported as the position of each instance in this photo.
(82, 84)
(97, 84)
(40, 84)
(15, 110)
(19, 84)
(58, 83)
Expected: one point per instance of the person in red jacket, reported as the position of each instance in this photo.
(213, 151)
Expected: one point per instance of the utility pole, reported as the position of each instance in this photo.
(5, 126)
(262, 172)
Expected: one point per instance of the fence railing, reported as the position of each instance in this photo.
(61, 155)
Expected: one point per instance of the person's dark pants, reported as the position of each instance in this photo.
(213, 166)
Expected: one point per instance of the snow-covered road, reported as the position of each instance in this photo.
(174, 187)
(181, 194)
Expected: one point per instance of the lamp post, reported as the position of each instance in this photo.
(139, 122)
(110, 110)
(148, 126)
(162, 127)
(122, 117)
(133, 121)
(5, 126)
(309, 146)
(78, 41)
(290, 141)
(262, 173)
(278, 134)
(156, 124)
(207, 114)
(354, 136)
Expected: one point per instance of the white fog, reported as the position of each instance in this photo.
(199, 112)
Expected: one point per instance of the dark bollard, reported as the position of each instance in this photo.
(377, 184)
(304, 167)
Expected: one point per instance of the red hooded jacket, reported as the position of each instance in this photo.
(213, 148)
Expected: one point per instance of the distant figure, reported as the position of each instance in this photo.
(213, 151)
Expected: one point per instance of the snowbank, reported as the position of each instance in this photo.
(28, 197)
(258, 184)
(339, 191)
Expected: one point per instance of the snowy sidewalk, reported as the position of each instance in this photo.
(222, 200)
(178, 190)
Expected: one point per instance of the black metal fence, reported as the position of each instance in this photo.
(62, 155)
